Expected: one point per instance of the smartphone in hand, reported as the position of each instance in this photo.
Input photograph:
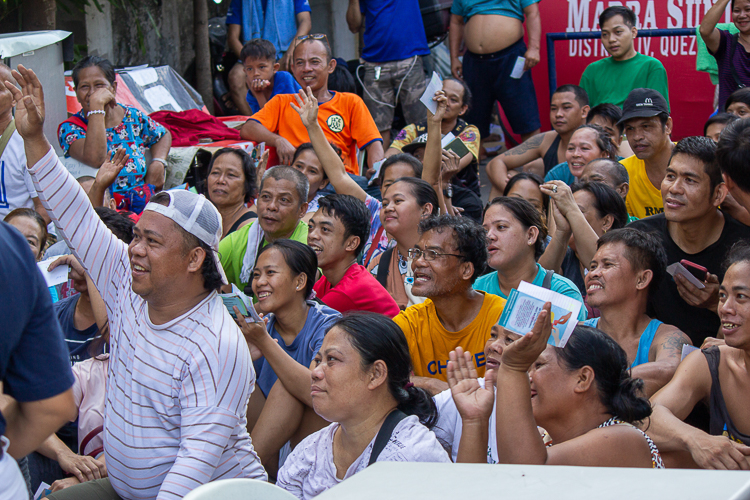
(700, 272)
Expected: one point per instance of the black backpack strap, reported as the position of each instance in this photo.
(734, 40)
(547, 283)
(384, 434)
(383, 266)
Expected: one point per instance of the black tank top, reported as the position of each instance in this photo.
(550, 157)
(721, 423)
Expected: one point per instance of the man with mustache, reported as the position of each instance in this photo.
(647, 127)
(282, 202)
(450, 255)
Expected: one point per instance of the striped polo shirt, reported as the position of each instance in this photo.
(177, 393)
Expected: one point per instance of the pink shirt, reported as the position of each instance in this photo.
(90, 393)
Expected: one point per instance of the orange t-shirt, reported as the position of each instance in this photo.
(344, 119)
(429, 341)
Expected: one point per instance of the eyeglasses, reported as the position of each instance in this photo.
(429, 255)
(313, 36)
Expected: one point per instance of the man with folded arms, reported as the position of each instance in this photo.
(180, 374)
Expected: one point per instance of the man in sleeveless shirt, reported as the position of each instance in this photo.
(624, 271)
(718, 375)
(539, 154)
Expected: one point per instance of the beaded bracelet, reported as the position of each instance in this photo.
(96, 112)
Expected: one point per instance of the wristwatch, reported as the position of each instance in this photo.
(448, 191)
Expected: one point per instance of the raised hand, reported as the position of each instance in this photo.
(521, 354)
(29, 103)
(562, 196)
(102, 99)
(307, 107)
(473, 402)
(442, 105)
(110, 169)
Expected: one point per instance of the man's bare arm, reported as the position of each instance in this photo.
(664, 359)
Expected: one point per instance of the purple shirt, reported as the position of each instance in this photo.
(741, 62)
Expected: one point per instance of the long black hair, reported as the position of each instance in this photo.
(299, 257)
(377, 337)
(621, 394)
(422, 191)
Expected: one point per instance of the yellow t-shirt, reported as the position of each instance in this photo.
(430, 343)
(644, 199)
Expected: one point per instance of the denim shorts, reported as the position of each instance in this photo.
(488, 77)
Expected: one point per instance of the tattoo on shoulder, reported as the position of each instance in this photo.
(674, 342)
(529, 144)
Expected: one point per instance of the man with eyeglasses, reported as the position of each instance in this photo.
(450, 255)
(343, 117)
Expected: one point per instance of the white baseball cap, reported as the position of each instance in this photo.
(196, 215)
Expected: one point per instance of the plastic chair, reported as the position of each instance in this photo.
(239, 489)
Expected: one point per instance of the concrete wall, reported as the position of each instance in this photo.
(114, 33)
(329, 17)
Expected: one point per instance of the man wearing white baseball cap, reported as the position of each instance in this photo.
(180, 374)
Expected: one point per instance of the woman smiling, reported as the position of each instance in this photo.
(231, 185)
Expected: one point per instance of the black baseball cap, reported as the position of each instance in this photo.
(643, 103)
(419, 142)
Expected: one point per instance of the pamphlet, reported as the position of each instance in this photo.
(687, 349)
(525, 303)
(435, 84)
(458, 146)
(243, 303)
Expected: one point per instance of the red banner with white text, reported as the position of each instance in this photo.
(691, 93)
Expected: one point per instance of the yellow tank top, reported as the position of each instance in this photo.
(644, 199)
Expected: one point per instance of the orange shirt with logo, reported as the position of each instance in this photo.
(344, 119)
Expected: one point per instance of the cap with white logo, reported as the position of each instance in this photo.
(643, 103)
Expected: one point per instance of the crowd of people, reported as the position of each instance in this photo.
(374, 271)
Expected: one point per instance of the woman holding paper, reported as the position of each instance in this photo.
(581, 394)
(283, 280)
(515, 235)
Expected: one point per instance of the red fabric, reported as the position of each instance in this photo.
(189, 127)
(358, 290)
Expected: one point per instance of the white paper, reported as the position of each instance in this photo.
(678, 268)
(376, 166)
(158, 97)
(447, 139)
(42, 486)
(518, 68)
(57, 275)
(557, 300)
(144, 77)
(239, 299)
(687, 349)
(435, 84)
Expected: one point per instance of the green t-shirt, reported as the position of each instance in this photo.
(232, 250)
(607, 80)
(560, 284)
